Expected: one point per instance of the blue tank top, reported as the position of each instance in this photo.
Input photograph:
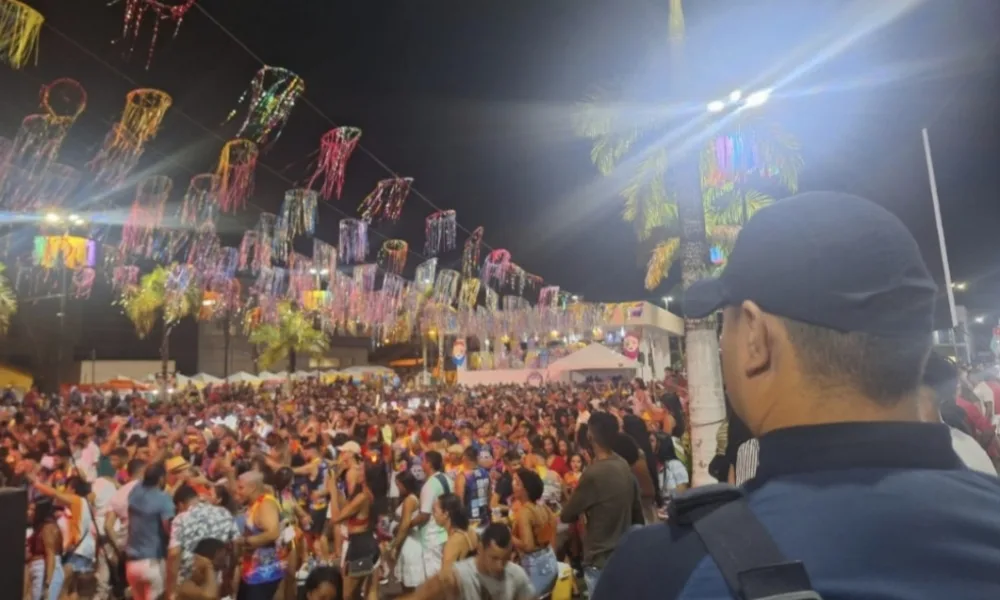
(477, 494)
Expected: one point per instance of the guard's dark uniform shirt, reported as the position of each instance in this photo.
(874, 511)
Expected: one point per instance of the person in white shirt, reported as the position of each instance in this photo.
(116, 518)
(939, 387)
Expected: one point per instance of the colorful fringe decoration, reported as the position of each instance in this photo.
(469, 293)
(273, 92)
(423, 278)
(446, 286)
(335, 149)
(470, 253)
(144, 112)
(135, 11)
(83, 282)
(386, 200)
(201, 200)
(496, 266)
(124, 277)
(392, 256)
(439, 232)
(299, 211)
(20, 29)
(353, 241)
(64, 98)
(324, 258)
(237, 164)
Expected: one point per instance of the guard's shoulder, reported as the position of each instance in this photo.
(637, 569)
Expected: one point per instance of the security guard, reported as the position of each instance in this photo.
(827, 319)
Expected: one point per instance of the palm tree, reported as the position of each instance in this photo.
(292, 334)
(678, 206)
(8, 301)
(157, 297)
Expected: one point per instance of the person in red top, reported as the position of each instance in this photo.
(981, 427)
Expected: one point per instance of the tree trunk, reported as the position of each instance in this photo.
(706, 399)
(165, 362)
(291, 361)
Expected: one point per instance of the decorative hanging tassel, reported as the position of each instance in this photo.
(496, 266)
(83, 282)
(335, 149)
(237, 164)
(248, 246)
(324, 259)
(446, 286)
(298, 211)
(469, 293)
(353, 241)
(135, 11)
(273, 93)
(201, 200)
(386, 200)
(20, 29)
(423, 278)
(471, 252)
(439, 232)
(392, 257)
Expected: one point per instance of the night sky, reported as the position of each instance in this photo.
(474, 100)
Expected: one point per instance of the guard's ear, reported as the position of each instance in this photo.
(756, 337)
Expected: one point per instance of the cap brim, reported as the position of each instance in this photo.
(703, 298)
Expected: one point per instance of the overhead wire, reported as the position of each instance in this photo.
(305, 100)
(214, 134)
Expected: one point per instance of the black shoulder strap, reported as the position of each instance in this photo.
(444, 482)
(751, 563)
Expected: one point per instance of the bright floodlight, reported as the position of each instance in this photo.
(716, 106)
(980, 319)
(313, 271)
(53, 218)
(735, 95)
(758, 98)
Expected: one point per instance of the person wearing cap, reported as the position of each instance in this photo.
(827, 319)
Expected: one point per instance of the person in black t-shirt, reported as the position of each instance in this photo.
(504, 488)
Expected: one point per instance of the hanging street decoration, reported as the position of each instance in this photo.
(272, 95)
(335, 150)
(386, 201)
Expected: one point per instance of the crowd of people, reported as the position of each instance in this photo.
(866, 463)
(355, 484)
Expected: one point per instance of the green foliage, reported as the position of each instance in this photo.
(152, 299)
(628, 141)
(292, 333)
(8, 301)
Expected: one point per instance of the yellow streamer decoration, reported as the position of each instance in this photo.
(144, 112)
(20, 28)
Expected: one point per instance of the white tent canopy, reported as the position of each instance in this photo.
(206, 378)
(241, 377)
(595, 357)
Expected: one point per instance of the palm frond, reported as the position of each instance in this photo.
(726, 206)
(660, 262)
(292, 331)
(648, 203)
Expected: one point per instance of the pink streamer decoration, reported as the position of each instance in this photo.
(83, 282)
(496, 267)
(336, 148)
(386, 200)
(201, 200)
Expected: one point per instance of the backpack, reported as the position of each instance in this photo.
(749, 560)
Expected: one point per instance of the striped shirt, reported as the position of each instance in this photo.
(746, 461)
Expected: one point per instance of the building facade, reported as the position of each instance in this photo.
(220, 357)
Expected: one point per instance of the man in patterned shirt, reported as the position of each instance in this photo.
(196, 520)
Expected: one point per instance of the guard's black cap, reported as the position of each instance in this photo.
(828, 259)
